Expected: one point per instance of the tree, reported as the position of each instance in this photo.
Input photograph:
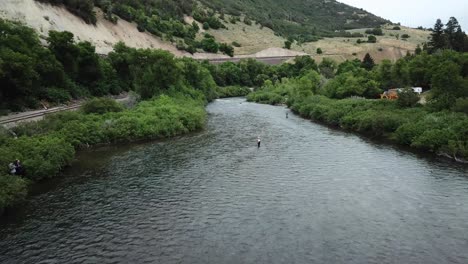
(450, 31)
(448, 84)
(371, 39)
(407, 98)
(327, 68)
(384, 73)
(400, 73)
(62, 44)
(226, 49)
(209, 44)
(418, 50)
(287, 44)
(319, 51)
(368, 62)
(438, 39)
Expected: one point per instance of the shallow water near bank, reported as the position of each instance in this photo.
(308, 194)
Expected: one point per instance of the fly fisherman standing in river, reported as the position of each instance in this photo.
(258, 141)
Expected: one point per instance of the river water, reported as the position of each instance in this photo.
(309, 194)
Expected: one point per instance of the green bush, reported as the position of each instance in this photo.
(461, 105)
(13, 190)
(56, 95)
(101, 106)
(232, 91)
(371, 39)
(375, 31)
(407, 98)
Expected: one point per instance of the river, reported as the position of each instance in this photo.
(309, 194)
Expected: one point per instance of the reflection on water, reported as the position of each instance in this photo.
(308, 194)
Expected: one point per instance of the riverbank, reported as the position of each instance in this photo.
(443, 133)
(47, 146)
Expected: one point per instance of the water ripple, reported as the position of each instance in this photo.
(308, 195)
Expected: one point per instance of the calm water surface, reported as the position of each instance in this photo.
(308, 195)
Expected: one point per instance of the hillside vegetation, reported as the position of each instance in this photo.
(175, 31)
(301, 19)
(304, 20)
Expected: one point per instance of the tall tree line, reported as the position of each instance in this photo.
(448, 36)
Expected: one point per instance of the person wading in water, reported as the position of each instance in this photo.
(258, 141)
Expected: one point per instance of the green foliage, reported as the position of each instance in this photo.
(226, 49)
(319, 51)
(199, 78)
(209, 44)
(450, 37)
(232, 91)
(368, 62)
(312, 20)
(328, 68)
(57, 95)
(353, 83)
(45, 147)
(26, 68)
(407, 98)
(448, 84)
(101, 106)
(13, 190)
(371, 39)
(82, 8)
(375, 31)
(396, 28)
(287, 44)
(461, 105)
(236, 44)
(405, 36)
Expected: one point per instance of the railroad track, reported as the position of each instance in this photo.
(24, 117)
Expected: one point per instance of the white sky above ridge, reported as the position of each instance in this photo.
(414, 13)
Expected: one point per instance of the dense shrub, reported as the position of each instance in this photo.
(13, 190)
(371, 39)
(461, 105)
(232, 91)
(407, 98)
(101, 106)
(375, 31)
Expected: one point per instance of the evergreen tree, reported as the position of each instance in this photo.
(451, 29)
(368, 62)
(438, 40)
(418, 50)
(459, 41)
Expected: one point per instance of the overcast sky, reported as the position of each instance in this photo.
(416, 13)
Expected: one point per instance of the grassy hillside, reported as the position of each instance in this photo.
(168, 25)
(253, 38)
(300, 18)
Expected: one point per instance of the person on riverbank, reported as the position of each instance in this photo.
(12, 168)
(258, 142)
(16, 168)
(286, 114)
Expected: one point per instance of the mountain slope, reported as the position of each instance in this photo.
(300, 18)
(252, 37)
